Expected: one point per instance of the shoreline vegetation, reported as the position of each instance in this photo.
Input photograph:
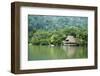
(53, 30)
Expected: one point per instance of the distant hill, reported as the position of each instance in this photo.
(50, 23)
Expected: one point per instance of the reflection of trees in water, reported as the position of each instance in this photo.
(70, 50)
(52, 53)
(56, 52)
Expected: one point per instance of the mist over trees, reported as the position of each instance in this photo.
(46, 30)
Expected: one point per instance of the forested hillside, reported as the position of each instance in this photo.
(45, 30)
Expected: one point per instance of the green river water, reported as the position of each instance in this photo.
(56, 52)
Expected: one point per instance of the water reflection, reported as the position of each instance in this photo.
(70, 50)
(56, 52)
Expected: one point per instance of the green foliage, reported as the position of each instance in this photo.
(51, 23)
(46, 30)
(41, 37)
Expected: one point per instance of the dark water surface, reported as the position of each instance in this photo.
(56, 52)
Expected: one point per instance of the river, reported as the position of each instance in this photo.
(56, 52)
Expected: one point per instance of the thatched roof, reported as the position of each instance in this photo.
(71, 39)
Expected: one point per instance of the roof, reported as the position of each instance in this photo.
(70, 40)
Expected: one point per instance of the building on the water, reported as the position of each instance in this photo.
(70, 40)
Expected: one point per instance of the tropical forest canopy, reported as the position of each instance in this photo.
(46, 30)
